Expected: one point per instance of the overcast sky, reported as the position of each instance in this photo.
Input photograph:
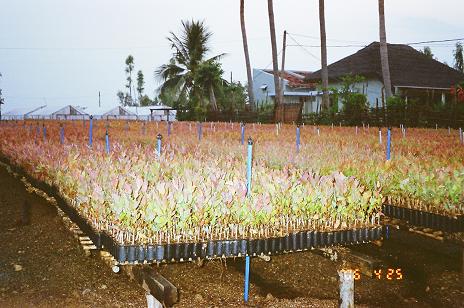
(64, 52)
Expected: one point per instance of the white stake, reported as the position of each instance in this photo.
(346, 288)
(380, 136)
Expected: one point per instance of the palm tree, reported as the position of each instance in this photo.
(275, 65)
(324, 70)
(179, 75)
(129, 69)
(384, 51)
(251, 95)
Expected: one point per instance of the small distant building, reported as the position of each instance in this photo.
(154, 113)
(413, 75)
(297, 89)
(19, 113)
(68, 112)
(119, 113)
(115, 112)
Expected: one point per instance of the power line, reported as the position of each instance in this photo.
(436, 41)
(302, 47)
(333, 40)
(328, 46)
(364, 44)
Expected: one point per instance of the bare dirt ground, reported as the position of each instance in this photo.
(42, 265)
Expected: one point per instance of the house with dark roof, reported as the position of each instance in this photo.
(297, 89)
(413, 74)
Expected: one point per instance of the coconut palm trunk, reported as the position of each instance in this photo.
(324, 70)
(384, 51)
(275, 64)
(212, 98)
(251, 95)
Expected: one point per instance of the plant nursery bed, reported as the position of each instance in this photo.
(178, 252)
(425, 219)
(294, 242)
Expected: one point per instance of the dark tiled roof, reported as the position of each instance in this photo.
(296, 79)
(408, 67)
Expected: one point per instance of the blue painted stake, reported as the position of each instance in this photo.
(91, 132)
(61, 134)
(200, 131)
(169, 128)
(247, 257)
(243, 134)
(387, 232)
(44, 132)
(388, 143)
(158, 144)
(298, 138)
(107, 141)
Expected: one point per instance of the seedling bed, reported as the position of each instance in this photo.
(175, 252)
(293, 242)
(425, 219)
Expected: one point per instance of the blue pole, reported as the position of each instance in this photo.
(388, 143)
(169, 128)
(61, 134)
(158, 144)
(107, 141)
(249, 164)
(298, 138)
(91, 132)
(44, 131)
(243, 134)
(199, 131)
(247, 278)
(247, 257)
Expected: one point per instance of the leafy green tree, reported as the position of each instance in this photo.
(145, 101)
(129, 69)
(233, 97)
(458, 57)
(427, 51)
(140, 84)
(355, 105)
(208, 75)
(181, 85)
(120, 96)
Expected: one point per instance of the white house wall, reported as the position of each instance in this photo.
(372, 88)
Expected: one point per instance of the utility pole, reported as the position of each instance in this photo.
(282, 74)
